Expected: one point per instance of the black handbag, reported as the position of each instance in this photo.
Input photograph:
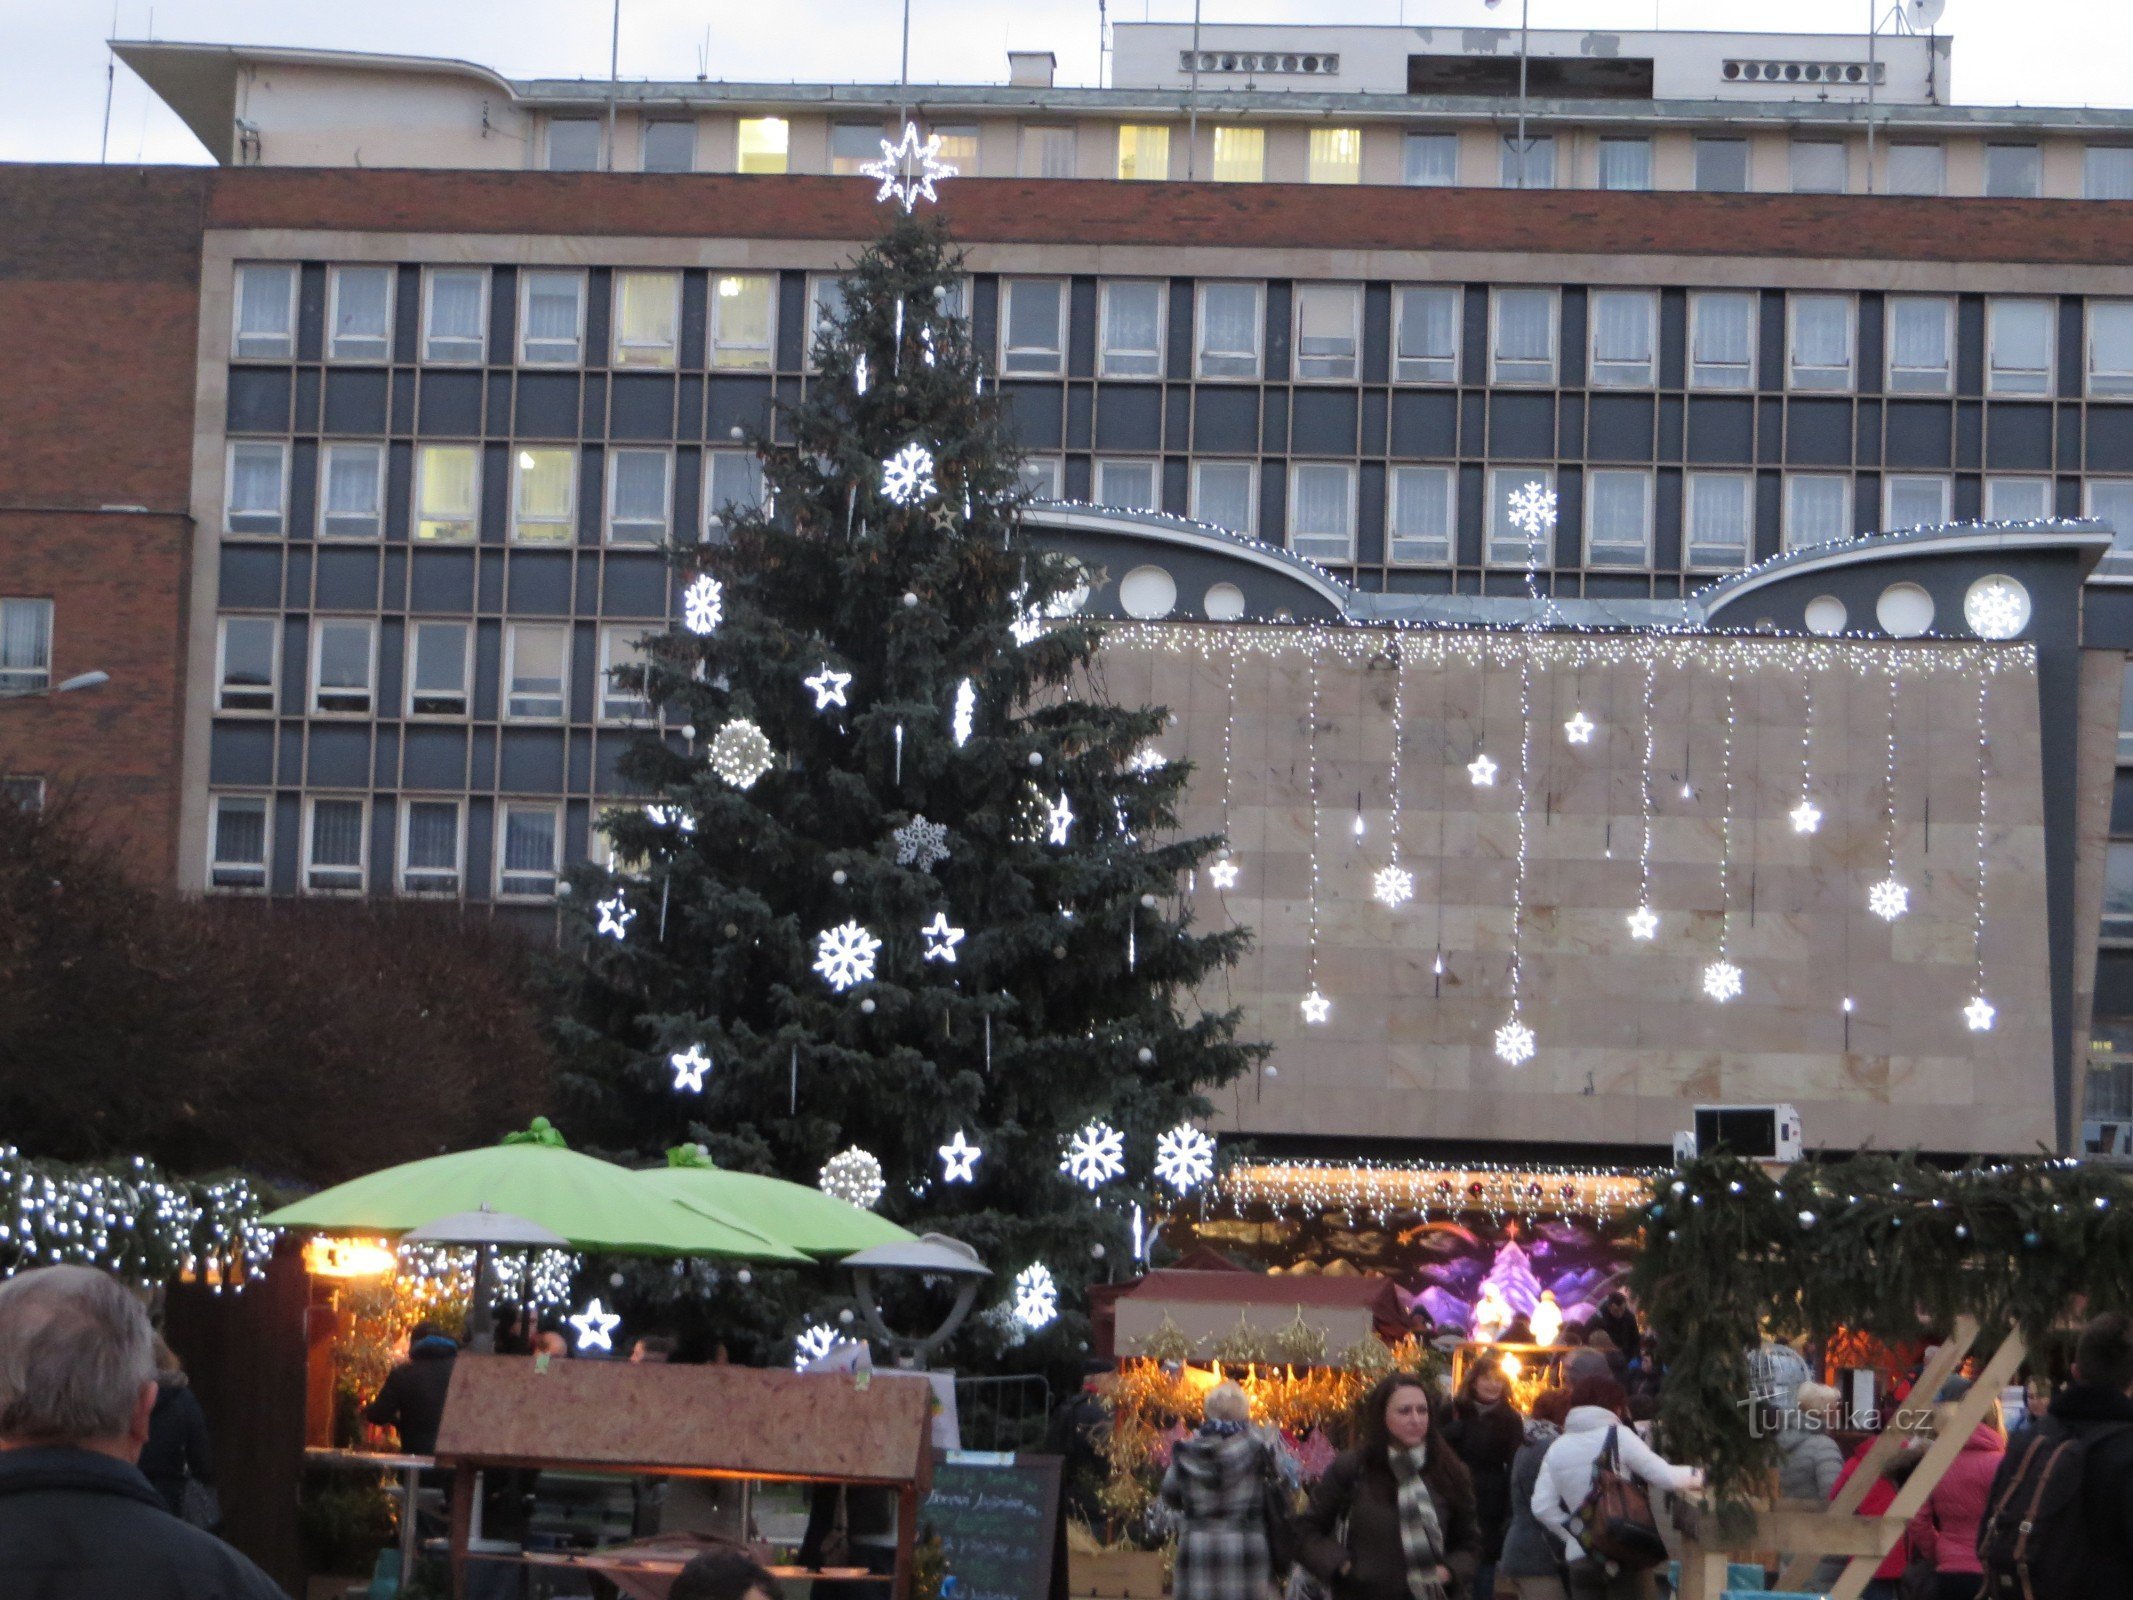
(1275, 1511)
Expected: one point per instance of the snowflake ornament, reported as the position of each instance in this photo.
(1482, 770)
(1996, 608)
(689, 1066)
(1394, 886)
(1514, 1043)
(920, 844)
(1722, 981)
(1223, 874)
(908, 169)
(1979, 1014)
(1316, 1007)
(679, 818)
(1532, 508)
(740, 753)
(959, 1160)
(1580, 728)
(596, 1326)
(1146, 759)
(907, 476)
(941, 939)
(703, 604)
(844, 955)
(1888, 899)
(1184, 1158)
(1643, 923)
(1036, 1297)
(1058, 819)
(1028, 624)
(1806, 816)
(828, 687)
(616, 915)
(964, 719)
(853, 1176)
(1094, 1155)
(813, 1343)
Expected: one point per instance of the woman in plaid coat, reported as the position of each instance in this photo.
(1217, 1482)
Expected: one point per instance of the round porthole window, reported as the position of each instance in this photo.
(1904, 611)
(1223, 602)
(1996, 607)
(1826, 615)
(1147, 592)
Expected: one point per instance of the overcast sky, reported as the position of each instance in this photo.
(52, 56)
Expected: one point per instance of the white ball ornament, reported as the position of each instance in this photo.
(1036, 758)
(614, 1280)
(734, 432)
(1273, 1072)
(1807, 1219)
(744, 1277)
(689, 732)
(845, 1316)
(1147, 1056)
(910, 601)
(867, 1006)
(838, 877)
(1096, 1251)
(1680, 1188)
(1147, 902)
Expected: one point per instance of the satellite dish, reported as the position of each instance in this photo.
(1923, 13)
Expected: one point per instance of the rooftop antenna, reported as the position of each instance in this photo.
(703, 57)
(1103, 41)
(903, 80)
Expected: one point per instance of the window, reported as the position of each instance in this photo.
(825, 305)
(1329, 327)
(741, 319)
(1143, 153)
(1322, 511)
(732, 478)
(2107, 172)
(2118, 889)
(1917, 169)
(2017, 499)
(265, 328)
(1921, 343)
(2111, 347)
(429, 847)
(853, 145)
(437, 657)
(1419, 518)
(1523, 348)
(1914, 500)
(237, 843)
(574, 144)
(25, 646)
(1532, 167)
(1033, 325)
(1039, 476)
(1425, 334)
(351, 498)
(1722, 166)
(359, 314)
(1226, 493)
(250, 648)
(637, 503)
(455, 312)
(1625, 163)
(1818, 508)
(1240, 155)
(551, 318)
(620, 649)
(1432, 160)
(536, 662)
(1819, 166)
(526, 865)
(611, 855)
(1047, 153)
(1720, 513)
(1131, 339)
(762, 143)
(1230, 321)
(1336, 156)
(670, 147)
(258, 489)
(2018, 346)
(1508, 544)
(543, 495)
(2014, 171)
(1128, 485)
(647, 318)
(1821, 341)
(1721, 340)
(447, 492)
(2111, 500)
(344, 654)
(959, 145)
(1623, 321)
(1618, 518)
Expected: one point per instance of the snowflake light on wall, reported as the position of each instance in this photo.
(689, 1066)
(1514, 1043)
(1722, 981)
(1184, 1158)
(853, 1176)
(907, 476)
(1394, 886)
(1996, 608)
(920, 844)
(844, 955)
(908, 169)
(1888, 899)
(703, 604)
(739, 753)
(1036, 1297)
(1094, 1155)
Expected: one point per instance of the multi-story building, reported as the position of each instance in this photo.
(470, 351)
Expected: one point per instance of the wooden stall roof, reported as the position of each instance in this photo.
(1207, 1304)
(738, 1421)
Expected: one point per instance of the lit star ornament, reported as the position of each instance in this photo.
(907, 476)
(844, 955)
(1888, 899)
(1036, 1297)
(908, 169)
(828, 687)
(596, 1327)
(1223, 874)
(1580, 728)
(1643, 923)
(1979, 1014)
(814, 1342)
(703, 604)
(1184, 1158)
(1482, 770)
(1721, 981)
(1394, 886)
(1514, 1043)
(1094, 1155)
(689, 1066)
(959, 1158)
(616, 915)
(941, 939)
(1058, 819)
(1316, 1007)
(1806, 816)
(739, 753)
(920, 843)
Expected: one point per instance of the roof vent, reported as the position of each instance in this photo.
(1031, 69)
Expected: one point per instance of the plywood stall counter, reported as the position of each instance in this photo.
(685, 1421)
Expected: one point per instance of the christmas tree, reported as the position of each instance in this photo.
(908, 890)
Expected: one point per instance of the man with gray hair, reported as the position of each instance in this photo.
(77, 1519)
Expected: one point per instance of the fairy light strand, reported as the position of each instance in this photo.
(1315, 1005)
(1979, 1013)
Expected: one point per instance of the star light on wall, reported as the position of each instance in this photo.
(907, 476)
(1580, 728)
(828, 687)
(1094, 1155)
(1316, 1007)
(959, 1159)
(813, 1343)
(1058, 819)
(1643, 923)
(739, 753)
(941, 939)
(1722, 980)
(1394, 886)
(920, 843)
(844, 955)
(964, 719)
(1036, 1297)
(1806, 816)
(596, 1326)
(689, 1066)
(1482, 770)
(703, 604)
(1223, 874)
(616, 915)
(1888, 899)
(853, 1176)
(1184, 1158)
(1979, 1014)
(908, 169)
(1514, 1043)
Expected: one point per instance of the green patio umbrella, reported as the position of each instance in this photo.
(598, 1207)
(792, 1213)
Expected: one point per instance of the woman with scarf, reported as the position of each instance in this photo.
(1217, 1482)
(1393, 1519)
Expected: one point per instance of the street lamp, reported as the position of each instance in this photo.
(80, 680)
(931, 1256)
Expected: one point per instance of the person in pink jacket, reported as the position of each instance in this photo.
(1945, 1529)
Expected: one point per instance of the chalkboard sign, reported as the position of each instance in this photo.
(998, 1522)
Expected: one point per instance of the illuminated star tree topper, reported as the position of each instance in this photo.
(908, 169)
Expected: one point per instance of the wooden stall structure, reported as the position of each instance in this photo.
(871, 1430)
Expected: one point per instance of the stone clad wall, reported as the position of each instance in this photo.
(1627, 1040)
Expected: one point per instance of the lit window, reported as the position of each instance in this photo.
(237, 844)
(574, 144)
(2111, 500)
(2019, 335)
(742, 305)
(344, 654)
(265, 327)
(437, 654)
(763, 141)
(1524, 347)
(258, 487)
(637, 502)
(1419, 515)
(1432, 160)
(551, 318)
(1240, 155)
(455, 314)
(1720, 516)
(25, 645)
(447, 492)
(1230, 325)
(1722, 341)
(351, 499)
(250, 651)
(1917, 169)
(1425, 334)
(1722, 166)
(2014, 171)
(1821, 341)
(2111, 347)
(1329, 320)
(430, 840)
(1143, 153)
(1625, 163)
(1623, 323)
(536, 662)
(1039, 476)
(1509, 545)
(1531, 166)
(825, 306)
(2017, 499)
(621, 649)
(1914, 500)
(1618, 518)
(1047, 153)
(1819, 166)
(543, 495)
(1127, 485)
(1336, 155)
(852, 146)
(1226, 493)
(670, 147)
(733, 482)
(526, 865)
(959, 146)
(2107, 172)
(359, 314)
(1818, 508)
(647, 318)
(1921, 344)
(1131, 341)
(1322, 511)
(1033, 326)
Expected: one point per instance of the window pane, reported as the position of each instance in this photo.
(538, 653)
(1322, 513)
(1818, 167)
(1222, 493)
(574, 144)
(1326, 319)
(1143, 153)
(1916, 501)
(249, 645)
(1821, 341)
(1722, 166)
(1916, 169)
(2111, 500)
(2107, 172)
(1720, 518)
(1047, 153)
(2014, 171)
(1625, 163)
(362, 313)
(1618, 512)
(343, 673)
(2018, 499)
(2111, 346)
(959, 146)
(1432, 159)
(1427, 334)
(1133, 330)
(1240, 155)
(647, 318)
(1817, 510)
(25, 645)
(1621, 337)
(1530, 168)
(238, 854)
(529, 855)
(455, 315)
(1032, 326)
(1918, 344)
(1229, 330)
(1421, 514)
(1508, 544)
(255, 494)
(266, 312)
(545, 481)
(1525, 336)
(853, 145)
(446, 476)
(618, 704)
(732, 479)
(740, 320)
(1129, 485)
(1039, 477)
(2018, 337)
(762, 144)
(552, 304)
(433, 845)
(438, 686)
(1336, 155)
(637, 496)
(352, 497)
(670, 147)
(1722, 341)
